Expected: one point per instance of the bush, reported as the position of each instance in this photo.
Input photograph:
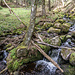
(1, 8)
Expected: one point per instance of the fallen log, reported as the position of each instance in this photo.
(44, 54)
(14, 13)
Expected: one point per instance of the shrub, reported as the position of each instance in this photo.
(1, 8)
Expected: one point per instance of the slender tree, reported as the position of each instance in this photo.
(43, 8)
(30, 28)
(49, 5)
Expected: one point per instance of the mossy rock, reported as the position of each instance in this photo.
(60, 21)
(57, 25)
(72, 59)
(65, 27)
(65, 53)
(68, 36)
(63, 38)
(68, 69)
(55, 41)
(53, 30)
(47, 26)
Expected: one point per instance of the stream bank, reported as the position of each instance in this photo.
(44, 67)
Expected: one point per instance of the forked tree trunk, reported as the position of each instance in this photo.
(30, 28)
(43, 8)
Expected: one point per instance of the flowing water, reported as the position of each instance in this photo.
(41, 67)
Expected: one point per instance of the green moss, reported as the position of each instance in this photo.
(70, 70)
(47, 40)
(63, 38)
(72, 59)
(8, 45)
(60, 21)
(53, 30)
(47, 25)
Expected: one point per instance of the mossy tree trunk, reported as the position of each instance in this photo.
(30, 28)
(43, 8)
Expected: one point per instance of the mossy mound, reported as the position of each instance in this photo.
(63, 38)
(57, 25)
(15, 60)
(53, 30)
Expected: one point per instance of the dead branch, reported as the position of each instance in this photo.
(14, 13)
(43, 43)
(3, 70)
(43, 53)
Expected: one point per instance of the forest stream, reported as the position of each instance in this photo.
(42, 67)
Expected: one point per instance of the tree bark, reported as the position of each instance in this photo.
(49, 5)
(30, 28)
(43, 8)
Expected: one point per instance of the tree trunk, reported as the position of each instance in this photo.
(49, 5)
(30, 28)
(43, 8)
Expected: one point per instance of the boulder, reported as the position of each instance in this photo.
(53, 30)
(73, 33)
(66, 52)
(65, 27)
(22, 51)
(57, 25)
(60, 21)
(55, 41)
(72, 59)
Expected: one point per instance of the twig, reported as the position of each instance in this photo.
(43, 53)
(14, 13)
(3, 70)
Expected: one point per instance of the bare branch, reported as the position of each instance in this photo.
(14, 13)
(3, 70)
(44, 54)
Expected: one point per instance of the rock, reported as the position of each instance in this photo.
(63, 38)
(73, 33)
(53, 30)
(68, 36)
(65, 27)
(47, 25)
(16, 73)
(57, 25)
(60, 21)
(22, 51)
(65, 53)
(55, 41)
(72, 59)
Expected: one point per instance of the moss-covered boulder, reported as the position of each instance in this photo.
(57, 25)
(63, 38)
(72, 59)
(65, 27)
(66, 52)
(21, 55)
(73, 33)
(55, 41)
(60, 21)
(53, 30)
(46, 25)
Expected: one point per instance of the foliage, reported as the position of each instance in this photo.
(1, 8)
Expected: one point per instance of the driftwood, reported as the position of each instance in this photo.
(3, 70)
(44, 54)
(14, 13)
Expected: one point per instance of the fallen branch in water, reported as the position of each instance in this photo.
(3, 70)
(45, 55)
(14, 13)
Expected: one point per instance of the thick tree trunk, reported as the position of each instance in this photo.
(30, 28)
(49, 5)
(43, 8)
